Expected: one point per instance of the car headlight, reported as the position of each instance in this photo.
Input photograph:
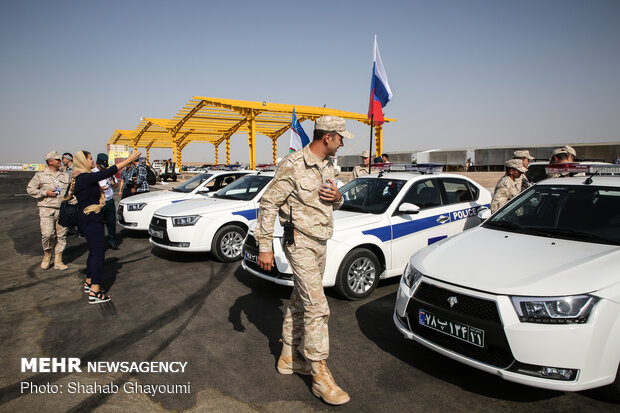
(185, 221)
(136, 207)
(411, 275)
(554, 310)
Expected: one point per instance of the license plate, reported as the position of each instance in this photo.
(461, 331)
(156, 233)
(250, 256)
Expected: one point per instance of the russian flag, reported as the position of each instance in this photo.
(299, 139)
(380, 92)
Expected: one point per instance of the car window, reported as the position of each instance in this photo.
(424, 194)
(456, 190)
(244, 188)
(192, 184)
(584, 213)
(371, 195)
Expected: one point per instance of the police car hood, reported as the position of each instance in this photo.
(200, 206)
(510, 263)
(343, 220)
(159, 196)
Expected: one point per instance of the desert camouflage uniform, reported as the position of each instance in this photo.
(52, 233)
(522, 183)
(359, 171)
(505, 190)
(296, 183)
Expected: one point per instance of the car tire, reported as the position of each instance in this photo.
(227, 243)
(358, 274)
(174, 178)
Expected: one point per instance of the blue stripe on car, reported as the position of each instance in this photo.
(248, 214)
(435, 239)
(390, 232)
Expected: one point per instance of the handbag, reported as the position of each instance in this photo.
(67, 217)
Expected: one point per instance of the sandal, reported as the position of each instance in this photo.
(87, 287)
(98, 297)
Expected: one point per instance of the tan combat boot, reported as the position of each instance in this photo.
(290, 362)
(47, 257)
(58, 264)
(324, 386)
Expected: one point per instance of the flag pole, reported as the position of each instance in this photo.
(370, 157)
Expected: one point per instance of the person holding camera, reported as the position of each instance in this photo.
(47, 186)
(91, 200)
(304, 194)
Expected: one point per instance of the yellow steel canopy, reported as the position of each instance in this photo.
(215, 120)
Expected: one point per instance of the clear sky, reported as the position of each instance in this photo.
(464, 73)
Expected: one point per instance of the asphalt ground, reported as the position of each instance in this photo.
(224, 324)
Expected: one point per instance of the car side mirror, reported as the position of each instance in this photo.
(484, 213)
(408, 208)
(203, 190)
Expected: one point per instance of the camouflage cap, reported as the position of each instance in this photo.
(523, 154)
(365, 154)
(516, 164)
(52, 155)
(333, 124)
(570, 149)
(558, 150)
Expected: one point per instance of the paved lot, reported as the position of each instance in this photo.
(225, 324)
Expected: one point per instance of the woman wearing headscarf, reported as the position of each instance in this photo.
(90, 198)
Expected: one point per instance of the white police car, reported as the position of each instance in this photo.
(217, 224)
(383, 220)
(533, 294)
(135, 212)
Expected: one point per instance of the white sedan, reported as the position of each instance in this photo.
(135, 212)
(532, 295)
(217, 224)
(384, 219)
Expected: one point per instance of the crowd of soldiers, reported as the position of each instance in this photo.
(515, 180)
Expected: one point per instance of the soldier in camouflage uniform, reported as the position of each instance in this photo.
(48, 187)
(362, 169)
(522, 182)
(304, 184)
(506, 187)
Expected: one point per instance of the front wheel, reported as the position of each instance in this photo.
(613, 390)
(358, 274)
(227, 243)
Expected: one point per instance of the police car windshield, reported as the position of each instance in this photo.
(370, 194)
(245, 188)
(192, 184)
(582, 213)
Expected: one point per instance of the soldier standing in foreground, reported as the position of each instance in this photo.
(48, 187)
(304, 192)
(506, 187)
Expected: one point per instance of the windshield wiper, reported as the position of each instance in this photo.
(571, 233)
(353, 208)
(503, 225)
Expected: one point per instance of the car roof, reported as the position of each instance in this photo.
(222, 172)
(597, 180)
(414, 176)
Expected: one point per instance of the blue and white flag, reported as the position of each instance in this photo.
(299, 139)
(380, 92)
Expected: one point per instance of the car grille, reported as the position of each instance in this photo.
(158, 222)
(250, 245)
(483, 309)
(473, 311)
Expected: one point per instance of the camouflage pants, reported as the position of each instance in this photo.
(307, 315)
(52, 233)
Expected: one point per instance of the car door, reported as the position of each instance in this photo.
(414, 231)
(461, 198)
